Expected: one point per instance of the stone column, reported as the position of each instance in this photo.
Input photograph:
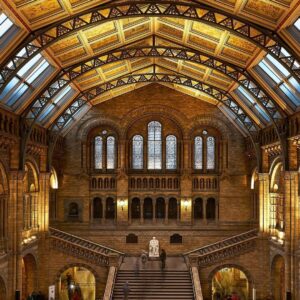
(142, 211)
(178, 210)
(15, 228)
(204, 203)
(103, 211)
(291, 226)
(154, 211)
(166, 211)
(264, 203)
(43, 201)
(129, 211)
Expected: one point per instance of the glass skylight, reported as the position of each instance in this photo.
(253, 103)
(26, 79)
(297, 24)
(283, 80)
(5, 24)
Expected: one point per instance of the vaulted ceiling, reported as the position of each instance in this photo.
(101, 49)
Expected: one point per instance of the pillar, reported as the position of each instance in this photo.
(166, 211)
(142, 211)
(264, 205)
(103, 210)
(291, 228)
(43, 201)
(154, 211)
(15, 228)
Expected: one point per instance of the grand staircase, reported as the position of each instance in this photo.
(82, 248)
(150, 282)
(230, 247)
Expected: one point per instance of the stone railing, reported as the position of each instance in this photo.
(103, 182)
(232, 246)
(82, 248)
(148, 182)
(209, 183)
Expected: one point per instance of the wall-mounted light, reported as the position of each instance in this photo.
(185, 203)
(122, 203)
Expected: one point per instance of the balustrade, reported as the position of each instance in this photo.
(103, 183)
(154, 183)
(206, 183)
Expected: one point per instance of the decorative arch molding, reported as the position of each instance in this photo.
(159, 110)
(32, 164)
(210, 120)
(72, 265)
(274, 163)
(236, 266)
(4, 176)
(96, 121)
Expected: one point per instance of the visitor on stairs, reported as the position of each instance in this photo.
(126, 290)
(163, 257)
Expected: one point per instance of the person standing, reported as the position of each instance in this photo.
(126, 290)
(163, 257)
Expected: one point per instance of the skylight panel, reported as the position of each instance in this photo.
(297, 24)
(29, 65)
(5, 24)
(254, 103)
(269, 70)
(278, 65)
(290, 94)
(43, 65)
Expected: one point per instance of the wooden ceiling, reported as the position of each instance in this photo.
(32, 15)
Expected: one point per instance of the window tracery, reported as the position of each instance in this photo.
(110, 152)
(137, 152)
(198, 153)
(154, 146)
(171, 152)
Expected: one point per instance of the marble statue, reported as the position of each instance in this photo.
(154, 247)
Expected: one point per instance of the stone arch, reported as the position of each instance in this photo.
(278, 277)
(32, 165)
(72, 265)
(155, 110)
(89, 268)
(236, 266)
(29, 274)
(94, 122)
(212, 121)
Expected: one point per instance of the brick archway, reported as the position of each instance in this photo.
(248, 275)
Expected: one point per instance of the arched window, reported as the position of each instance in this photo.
(137, 152)
(110, 152)
(171, 152)
(210, 146)
(98, 152)
(198, 153)
(154, 146)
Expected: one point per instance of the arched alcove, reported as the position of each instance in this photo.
(77, 282)
(29, 275)
(278, 277)
(230, 281)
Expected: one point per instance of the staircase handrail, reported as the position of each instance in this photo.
(252, 232)
(196, 283)
(226, 247)
(110, 283)
(85, 240)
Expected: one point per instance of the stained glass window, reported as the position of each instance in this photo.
(198, 153)
(98, 152)
(137, 152)
(110, 152)
(171, 151)
(210, 146)
(154, 145)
